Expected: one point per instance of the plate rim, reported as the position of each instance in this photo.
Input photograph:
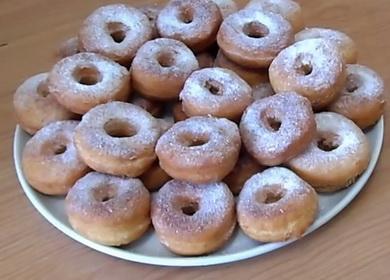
(179, 261)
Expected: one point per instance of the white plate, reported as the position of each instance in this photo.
(149, 250)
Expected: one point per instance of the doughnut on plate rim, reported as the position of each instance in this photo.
(148, 250)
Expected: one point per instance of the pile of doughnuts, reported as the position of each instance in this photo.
(198, 101)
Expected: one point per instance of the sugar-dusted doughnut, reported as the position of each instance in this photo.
(178, 113)
(199, 149)
(193, 219)
(217, 92)
(69, 47)
(161, 67)
(50, 160)
(155, 177)
(152, 11)
(338, 154)
(109, 210)
(313, 68)
(227, 7)
(35, 107)
(277, 128)
(262, 90)
(205, 60)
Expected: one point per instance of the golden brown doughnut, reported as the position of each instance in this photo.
(50, 160)
(262, 90)
(215, 92)
(178, 113)
(251, 76)
(245, 168)
(69, 47)
(155, 177)
(192, 219)
(289, 9)
(152, 11)
(153, 107)
(338, 154)
(161, 67)
(252, 38)
(277, 128)
(205, 60)
(346, 45)
(199, 149)
(313, 68)
(85, 80)
(195, 23)
(35, 107)
(276, 205)
(116, 31)
(118, 138)
(109, 210)
(362, 98)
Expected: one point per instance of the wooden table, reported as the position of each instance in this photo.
(355, 245)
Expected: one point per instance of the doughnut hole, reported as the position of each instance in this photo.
(191, 141)
(328, 141)
(188, 206)
(255, 29)
(271, 121)
(303, 65)
(166, 59)
(353, 83)
(117, 31)
(186, 15)
(118, 128)
(55, 148)
(104, 193)
(214, 87)
(87, 76)
(269, 194)
(42, 89)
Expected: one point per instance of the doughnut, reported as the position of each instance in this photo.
(362, 98)
(277, 128)
(205, 60)
(217, 92)
(164, 124)
(35, 107)
(226, 7)
(151, 11)
(178, 113)
(118, 138)
(276, 205)
(251, 76)
(195, 23)
(199, 149)
(262, 90)
(161, 67)
(338, 154)
(116, 31)
(346, 45)
(109, 210)
(69, 47)
(245, 168)
(313, 68)
(153, 107)
(155, 177)
(288, 9)
(193, 219)
(253, 38)
(85, 80)
(50, 161)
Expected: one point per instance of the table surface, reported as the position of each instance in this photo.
(354, 245)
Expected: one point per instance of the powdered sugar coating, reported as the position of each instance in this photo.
(350, 157)
(127, 195)
(345, 44)
(362, 98)
(297, 127)
(204, 18)
(95, 33)
(215, 208)
(233, 95)
(35, 107)
(92, 134)
(227, 7)
(262, 90)
(289, 9)
(152, 11)
(282, 180)
(254, 51)
(69, 47)
(113, 84)
(325, 71)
